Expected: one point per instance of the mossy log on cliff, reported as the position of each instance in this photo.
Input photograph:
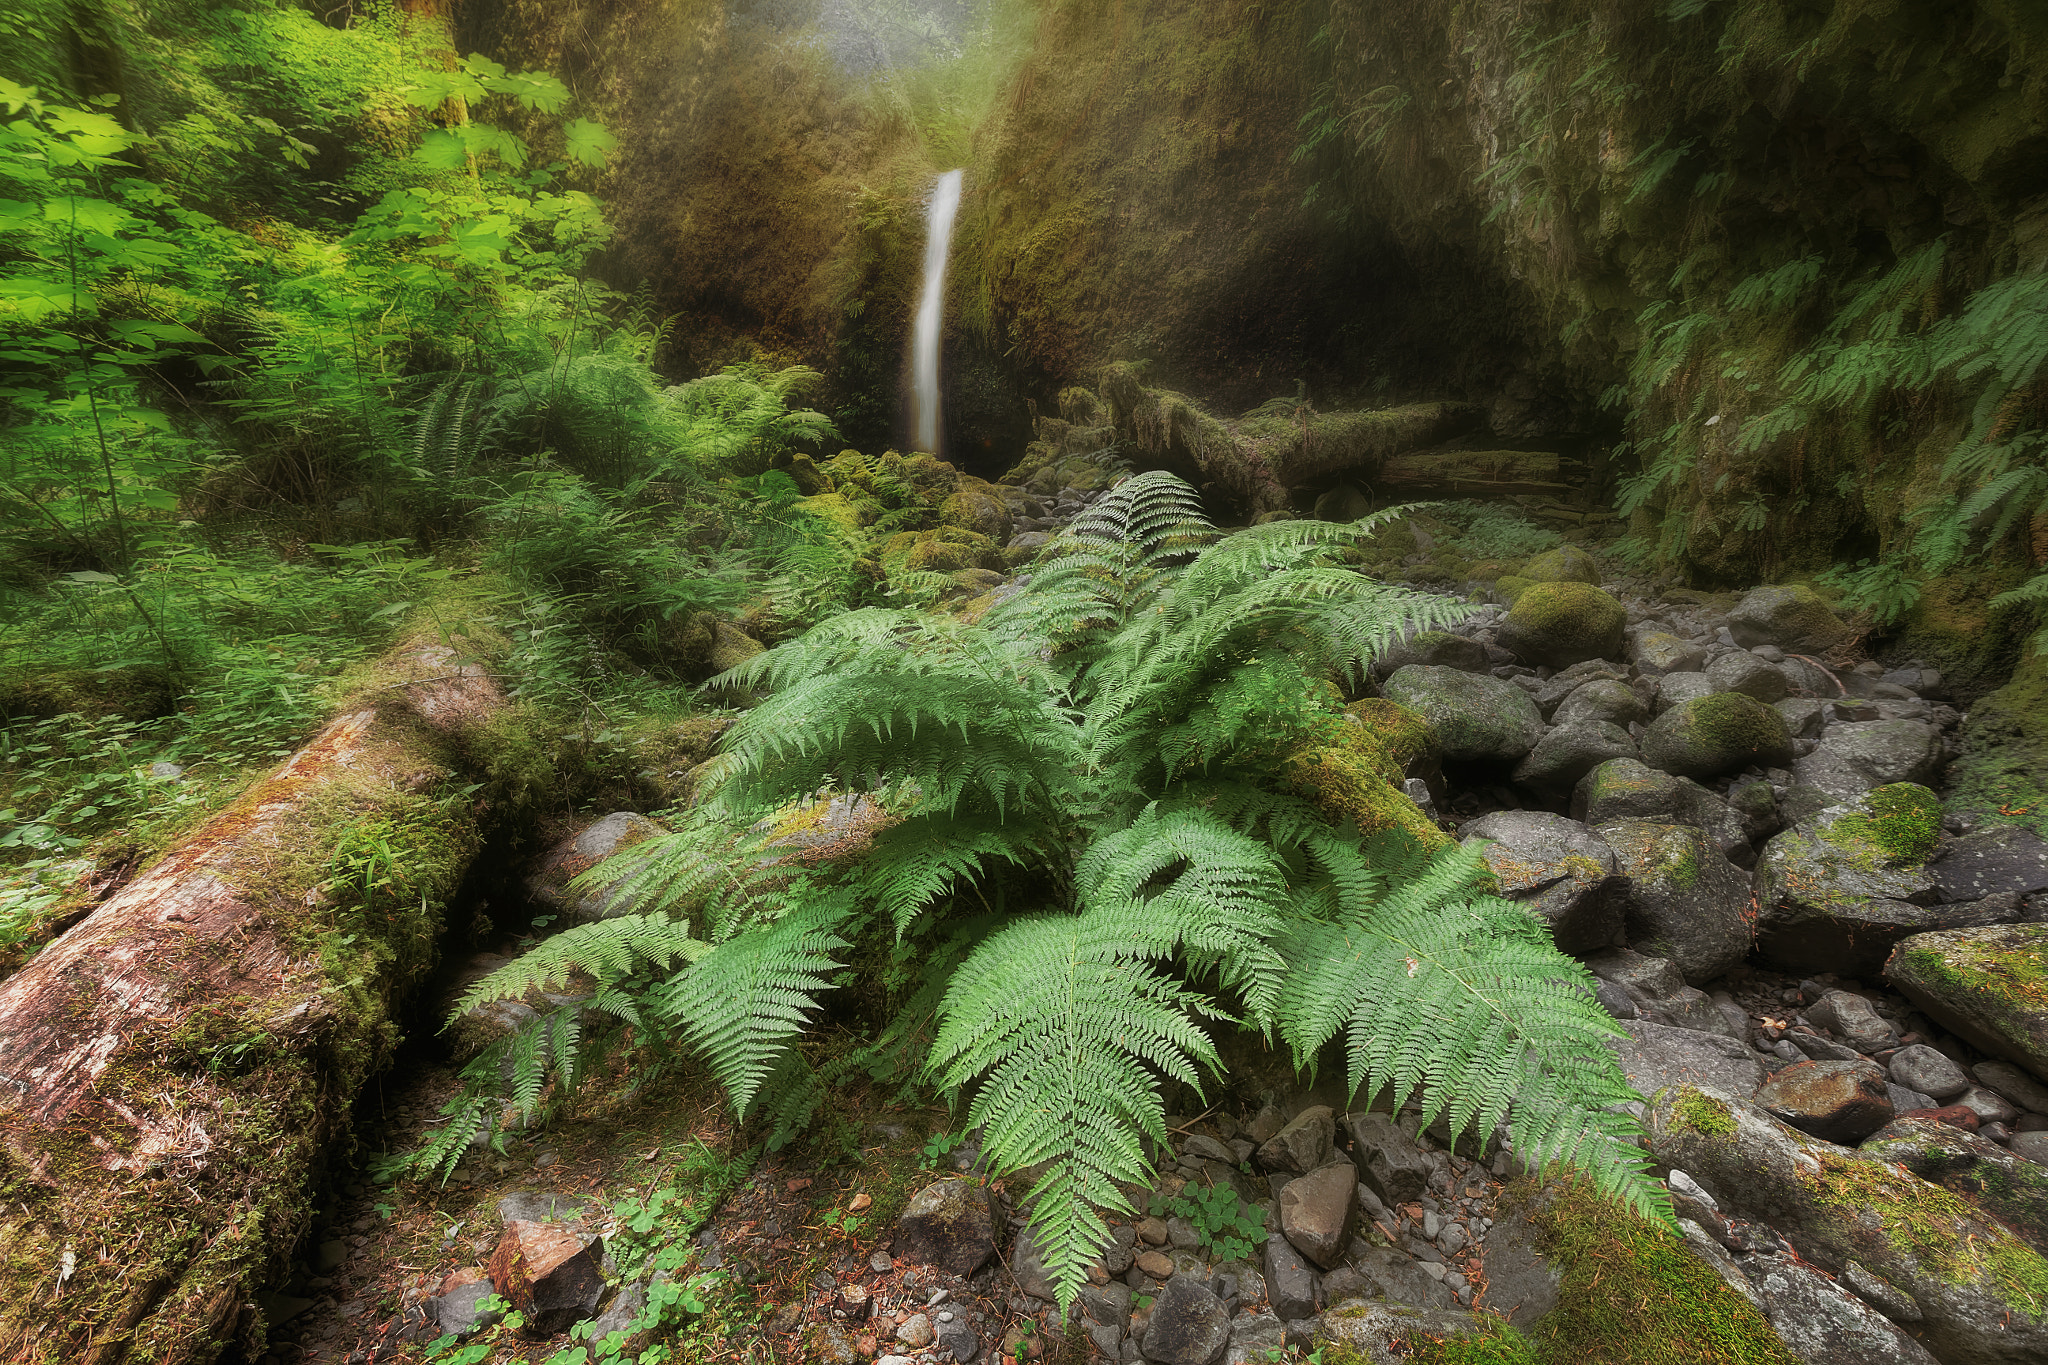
(177, 1063)
(1260, 458)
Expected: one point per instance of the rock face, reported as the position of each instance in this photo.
(2004, 859)
(1988, 986)
(1839, 889)
(1654, 1056)
(1316, 1212)
(2008, 1186)
(543, 1271)
(1823, 1323)
(1966, 1272)
(1841, 1101)
(1568, 752)
(1560, 871)
(1561, 623)
(1189, 1325)
(1476, 718)
(950, 1225)
(1684, 901)
(1792, 617)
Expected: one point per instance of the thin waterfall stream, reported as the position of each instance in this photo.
(931, 307)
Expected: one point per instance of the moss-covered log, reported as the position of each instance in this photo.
(175, 1064)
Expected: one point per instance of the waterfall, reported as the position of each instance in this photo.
(931, 307)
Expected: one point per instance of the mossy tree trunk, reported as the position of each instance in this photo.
(173, 1066)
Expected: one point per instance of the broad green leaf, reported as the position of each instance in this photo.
(589, 142)
(443, 150)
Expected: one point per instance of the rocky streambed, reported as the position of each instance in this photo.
(1831, 988)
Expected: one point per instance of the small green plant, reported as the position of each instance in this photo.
(1230, 1229)
(939, 1146)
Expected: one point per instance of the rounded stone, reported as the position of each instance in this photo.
(1565, 564)
(1475, 718)
(1839, 1101)
(1713, 736)
(1565, 623)
(1602, 699)
(1792, 617)
(1740, 671)
(1189, 1325)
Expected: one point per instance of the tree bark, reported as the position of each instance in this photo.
(173, 1066)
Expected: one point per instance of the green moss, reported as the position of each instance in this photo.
(1569, 619)
(1565, 564)
(1511, 587)
(1941, 1232)
(1350, 783)
(2011, 981)
(1633, 1294)
(1702, 1113)
(2002, 774)
(1904, 823)
(1734, 723)
(1399, 732)
(1495, 1343)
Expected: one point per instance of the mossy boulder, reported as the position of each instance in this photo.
(1558, 624)
(1556, 869)
(731, 646)
(945, 549)
(1476, 718)
(810, 480)
(1988, 986)
(975, 507)
(1436, 648)
(1401, 734)
(1981, 1290)
(1628, 789)
(1859, 755)
(1511, 586)
(842, 517)
(932, 479)
(1838, 890)
(137, 692)
(1792, 617)
(1350, 781)
(1565, 564)
(1686, 902)
(1715, 735)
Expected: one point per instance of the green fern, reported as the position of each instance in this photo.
(451, 428)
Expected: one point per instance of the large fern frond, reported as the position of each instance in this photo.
(1068, 1035)
(742, 1004)
(609, 951)
(451, 427)
(1461, 1000)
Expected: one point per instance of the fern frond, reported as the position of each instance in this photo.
(915, 862)
(609, 950)
(450, 428)
(1462, 999)
(1068, 1035)
(740, 1005)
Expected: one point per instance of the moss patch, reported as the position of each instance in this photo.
(1702, 1113)
(1904, 823)
(1350, 784)
(1634, 1295)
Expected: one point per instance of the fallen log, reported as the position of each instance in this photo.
(173, 1066)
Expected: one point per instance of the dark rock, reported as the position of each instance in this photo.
(2002, 859)
(544, 1271)
(1661, 993)
(1027, 1266)
(1189, 1325)
(1256, 1339)
(1984, 985)
(1713, 736)
(1304, 1144)
(956, 1336)
(1386, 1273)
(950, 1225)
(2026, 1093)
(1684, 900)
(1823, 1323)
(458, 1309)
(1988, 1105)
(1603, 699)
(1390, 1164)
(1676, 689)
(1840, 1101)
(1316, 1212)
(1557, 869)
(1291, 1283)
(1433, 649)
(1741, 671)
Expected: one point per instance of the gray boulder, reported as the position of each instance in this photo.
(1476, 718)
(1433, 649)
(951, 1225)
(1389, 1161)
(1628, 789)
(577, 854)
(1853, 1019)
(1316, 1212)
(2001, 860)
(2023, 1090)
(1838, 890)
(1792, 617)
(1740, 671)
(1921, 1068)
(1656, 986)
(1568, 752)
(1676, 689)
(1654, 1056)
(1603, 699)
(1379, 1332)
(1855, 757)
(1256, 1339)
(1291, 1282)
(1303, 1145)
(1963, 1271)
(1802, 716)
(1027, 1266)
(1659, 651)
(1684, 900)
(1713, 736)
(1557, 869)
